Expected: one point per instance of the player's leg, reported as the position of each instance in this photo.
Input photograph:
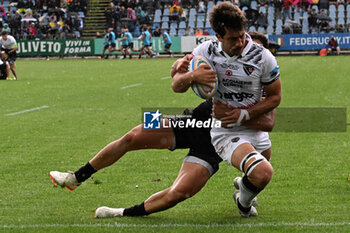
(7, 70)
(135, 139)
(141, 51)
(13, 69)
(122, 50)
(190, 180)
(128, 52)
(258, 173)
(150, 52)
(237, 180)
(338, 50)
(105, 47)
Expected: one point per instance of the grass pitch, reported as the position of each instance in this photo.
(92, 102)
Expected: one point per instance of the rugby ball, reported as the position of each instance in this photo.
(203, 91)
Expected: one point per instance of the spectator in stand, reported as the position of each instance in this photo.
(78, 26)
(324, 26)
(333, 46)
(2, 13)
(131, 14)
(174, 13)
(14, 22)
(206, 32)
(29, 4)
(312, 20)
(182, 14)
(201, 7)
(199, 32)
(262, 3)
(252, 19)
(66, 32)
(21, 6)
(122, 12)
(52, 4)
(262, 20)
(53, 18)
(69, 21)
(156, 32)
(306, 5)
(278, 8)
(244, 3)
(141, 15)
(189, 31)
(42, 31)
(32, 31)
(286, 9)
(6, 28)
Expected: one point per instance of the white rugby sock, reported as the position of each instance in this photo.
(247, 192)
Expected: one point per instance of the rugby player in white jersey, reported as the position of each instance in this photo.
(198, 166)
(242, 67)
(9, 45)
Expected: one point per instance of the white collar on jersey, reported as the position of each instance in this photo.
(244, 52)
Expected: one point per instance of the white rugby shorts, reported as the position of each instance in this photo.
(225, 142)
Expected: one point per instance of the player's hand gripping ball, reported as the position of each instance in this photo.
(203, 91)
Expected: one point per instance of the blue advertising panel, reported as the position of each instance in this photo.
(309, 41)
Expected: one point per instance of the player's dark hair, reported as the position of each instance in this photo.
(226, 15)
(4, 33)
(260, 37)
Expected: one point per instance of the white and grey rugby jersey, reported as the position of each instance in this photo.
(240, 77)
(9, 43)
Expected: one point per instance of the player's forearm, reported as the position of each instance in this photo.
(181, 82)
(264, 106)
(265, 122)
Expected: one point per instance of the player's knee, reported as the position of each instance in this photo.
(257, 168)
(262, 174)
(130, 138)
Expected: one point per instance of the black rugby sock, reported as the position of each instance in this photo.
(84, 172)
(136, 210)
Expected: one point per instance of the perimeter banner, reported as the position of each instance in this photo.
(157, 45)
(55, 47)
(291, 42)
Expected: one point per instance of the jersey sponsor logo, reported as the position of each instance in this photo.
(151, 120)
(235, 83)
(239, 97)
(229, 66)
(248, 69)
(228, 72)
(235, 139)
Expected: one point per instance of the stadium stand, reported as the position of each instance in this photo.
(54, 19)
(28, 19)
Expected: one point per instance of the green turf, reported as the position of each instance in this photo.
(88, 109)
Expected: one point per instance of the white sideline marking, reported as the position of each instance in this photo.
(133, 85)
(167, 77)
(26, 110)
(213, 225)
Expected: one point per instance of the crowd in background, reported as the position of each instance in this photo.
(135, 13)
(43, 19)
